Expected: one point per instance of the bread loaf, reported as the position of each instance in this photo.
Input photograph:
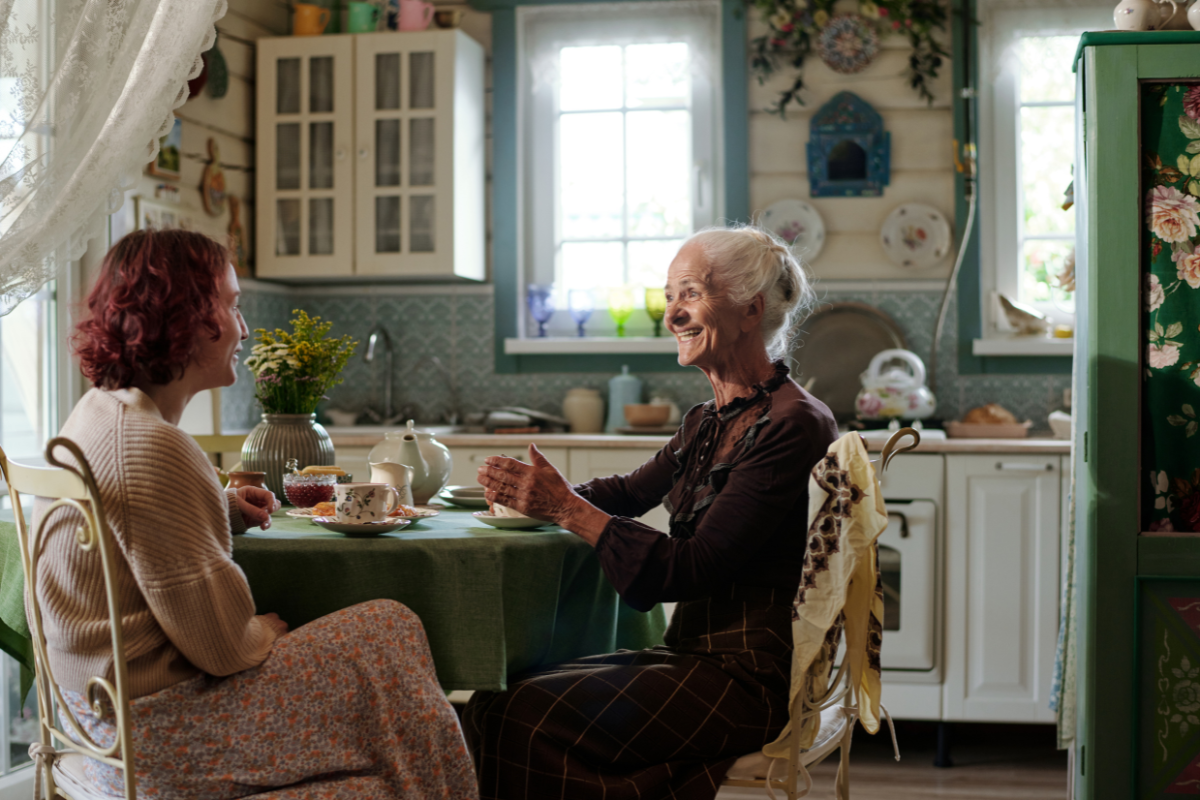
(991, 414)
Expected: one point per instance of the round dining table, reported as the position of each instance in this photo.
(494, 603)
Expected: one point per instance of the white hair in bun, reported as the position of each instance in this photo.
(749, 260)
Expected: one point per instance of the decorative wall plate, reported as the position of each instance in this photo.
(848, 44)
(798, 224)
(915, 235)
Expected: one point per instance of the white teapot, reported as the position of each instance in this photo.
(1149, 15)
(895, 392)
(428, 458)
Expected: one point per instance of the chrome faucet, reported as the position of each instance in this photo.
(373, 338)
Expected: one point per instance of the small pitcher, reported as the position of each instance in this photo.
(398, 476)
(414, 15)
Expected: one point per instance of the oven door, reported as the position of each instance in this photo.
(908, 565)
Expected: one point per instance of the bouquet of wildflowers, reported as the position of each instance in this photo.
(292, 371)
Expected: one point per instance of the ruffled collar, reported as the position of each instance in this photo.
(758, 391)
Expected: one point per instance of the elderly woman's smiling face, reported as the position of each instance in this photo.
(710, 329)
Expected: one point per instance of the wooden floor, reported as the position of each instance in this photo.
(1005, 762)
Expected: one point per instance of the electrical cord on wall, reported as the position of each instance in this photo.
(966, 166)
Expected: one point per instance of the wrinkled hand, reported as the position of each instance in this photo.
(273, 621)
(256, 506)
(535, 489)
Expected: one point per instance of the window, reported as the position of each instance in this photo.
(1027, 133)
(620, 146)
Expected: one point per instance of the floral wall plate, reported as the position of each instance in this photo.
(798, 224)
(915, 235)
(848, 44)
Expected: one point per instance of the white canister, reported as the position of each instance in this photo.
(584, 409)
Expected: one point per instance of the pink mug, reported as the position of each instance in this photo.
(415, 15)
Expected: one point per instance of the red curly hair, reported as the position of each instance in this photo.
(156, 294)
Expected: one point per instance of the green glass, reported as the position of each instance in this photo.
(620, 307)
(656, 307)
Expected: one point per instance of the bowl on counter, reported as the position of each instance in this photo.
(646, 415)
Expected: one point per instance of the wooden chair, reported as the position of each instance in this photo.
(837, 709)
(59, 755)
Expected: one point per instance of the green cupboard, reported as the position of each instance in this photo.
(1137, 388)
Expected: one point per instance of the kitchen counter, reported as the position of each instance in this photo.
(344, 438)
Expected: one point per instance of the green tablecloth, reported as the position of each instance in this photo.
(493, 602)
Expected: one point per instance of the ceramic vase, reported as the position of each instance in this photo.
(280, 437)
(584, 408)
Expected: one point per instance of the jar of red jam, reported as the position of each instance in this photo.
(305, 490)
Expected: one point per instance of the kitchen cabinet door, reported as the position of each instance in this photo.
(588, 463)
(1002, 578)
(419, 169)
(304, 214)
(466, 461)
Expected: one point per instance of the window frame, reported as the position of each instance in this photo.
(507, 194)
(999, 170)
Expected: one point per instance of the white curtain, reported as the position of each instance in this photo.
(87, 87)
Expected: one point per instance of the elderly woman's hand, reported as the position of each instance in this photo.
(256, 506)
(535, 489)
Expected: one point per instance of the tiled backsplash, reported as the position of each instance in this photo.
(456, 325)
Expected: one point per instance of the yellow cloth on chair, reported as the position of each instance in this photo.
(839, 585)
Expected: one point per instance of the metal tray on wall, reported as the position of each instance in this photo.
(835, 347)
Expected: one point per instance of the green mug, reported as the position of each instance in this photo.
(362, 17)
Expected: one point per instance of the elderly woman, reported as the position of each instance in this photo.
(226, 703)
(668, 722)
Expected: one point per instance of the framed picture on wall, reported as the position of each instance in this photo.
(149, 214)
(170, 154)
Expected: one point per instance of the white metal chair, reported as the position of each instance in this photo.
(59, 756)
(837, 709)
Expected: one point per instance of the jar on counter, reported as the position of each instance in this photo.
(584, 409)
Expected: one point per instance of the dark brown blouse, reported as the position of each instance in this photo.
(735, 481)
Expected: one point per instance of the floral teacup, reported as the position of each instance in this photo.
(365, 502)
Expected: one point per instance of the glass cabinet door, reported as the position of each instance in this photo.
(305, 211)
(401, 121)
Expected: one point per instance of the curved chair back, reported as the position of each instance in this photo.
(71, 487)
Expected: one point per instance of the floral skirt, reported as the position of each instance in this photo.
(347, 707)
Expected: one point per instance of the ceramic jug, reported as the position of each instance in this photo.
(585, 410)
(429, 459)
(1193, 16)
(895, 392)
(398, 476)
(1148, 15)
(414, 15)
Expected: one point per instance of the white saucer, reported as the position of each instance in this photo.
(798, 224)
(915, 235)
(361, 528)
(509, 522)
(465, 502)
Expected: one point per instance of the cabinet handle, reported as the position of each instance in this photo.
(363, 152)
(340, 154)
(903, 523)
(1023, 466)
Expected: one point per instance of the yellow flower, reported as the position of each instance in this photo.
(780, 18)
(820, 18)
(869, 10)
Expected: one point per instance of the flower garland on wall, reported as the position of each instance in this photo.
(848, 43)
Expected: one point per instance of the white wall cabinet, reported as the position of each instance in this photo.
(1002, 579)
(370, 156)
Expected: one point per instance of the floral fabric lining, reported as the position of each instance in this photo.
(1171, 180)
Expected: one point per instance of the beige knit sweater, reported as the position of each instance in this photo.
(185, 605)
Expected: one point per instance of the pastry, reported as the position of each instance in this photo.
(991, 414)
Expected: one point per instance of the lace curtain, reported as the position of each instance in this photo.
(87, 87)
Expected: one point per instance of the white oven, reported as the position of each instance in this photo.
(910, 565)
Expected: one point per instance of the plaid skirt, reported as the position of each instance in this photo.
(346, 707)
(661, 723)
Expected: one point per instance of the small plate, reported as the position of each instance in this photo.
(465, 502)
(509, 522)
(915, 235)
(306, 513)
(798, 224)
(361, 528)
(422, 513)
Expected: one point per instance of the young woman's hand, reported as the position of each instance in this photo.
(273, 622)
(256, 506)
